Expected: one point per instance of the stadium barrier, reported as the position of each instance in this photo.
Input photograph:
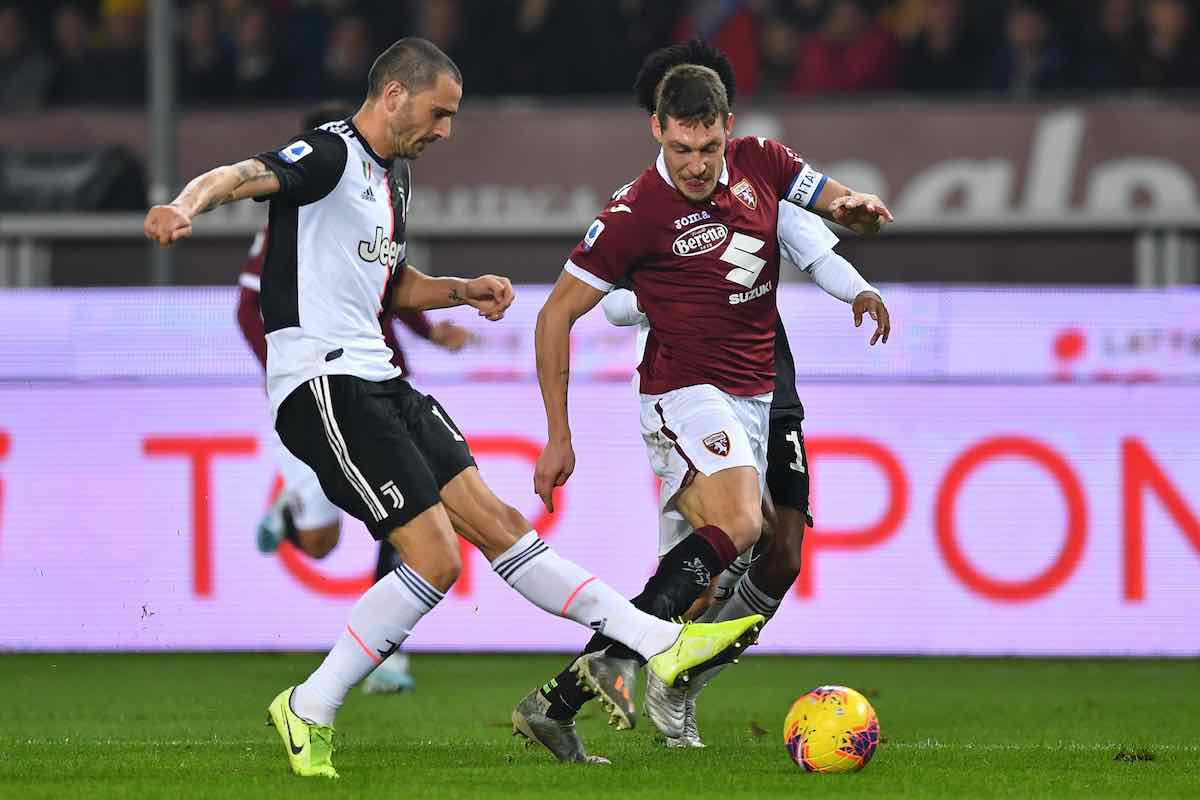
(1122, 196)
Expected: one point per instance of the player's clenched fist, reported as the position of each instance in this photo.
(491, 294)
(554, 466)
(165, 224)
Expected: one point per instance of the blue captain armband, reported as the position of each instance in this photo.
(806, 188)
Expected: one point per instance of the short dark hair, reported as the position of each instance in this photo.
(691, 93)
(661, 61)
(414, 62)
(326, 112)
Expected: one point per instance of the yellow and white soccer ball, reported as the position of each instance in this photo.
(831, 729)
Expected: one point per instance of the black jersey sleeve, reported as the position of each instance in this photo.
(308, 167)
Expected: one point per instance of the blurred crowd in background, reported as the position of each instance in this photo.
(76, 52)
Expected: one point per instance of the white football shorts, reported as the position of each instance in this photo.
(700, 429)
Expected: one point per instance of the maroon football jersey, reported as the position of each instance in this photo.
(704, 273)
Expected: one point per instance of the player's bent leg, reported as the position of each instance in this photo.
(425, 547)
(428, 546)
(776, 571)
(385, 615)
(760, 591)
(723, 506)
(702, 603)
(730, 500)
(785, 514)
(683, 574)
(319, 542)
(561, 587)
(348, 432)
(543, 577)
(480, 517)
(302, 514)
(558, 736)
(728, 580)
(393, 675)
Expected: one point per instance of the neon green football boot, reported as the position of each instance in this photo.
(704, 645)
(309, 746)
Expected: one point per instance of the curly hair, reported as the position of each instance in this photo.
(661, 61)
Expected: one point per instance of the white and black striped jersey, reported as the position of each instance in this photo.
(336, 244)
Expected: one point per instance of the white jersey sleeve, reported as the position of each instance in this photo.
(621, 308)
(839, 278)
(808, 243)
(803, 236)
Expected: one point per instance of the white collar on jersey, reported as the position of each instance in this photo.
(661, 165)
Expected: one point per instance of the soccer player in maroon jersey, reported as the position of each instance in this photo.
(696, 237)
(302, 514)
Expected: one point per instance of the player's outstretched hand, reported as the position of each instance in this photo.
(165, 224)
(861, 213)
(491, 295)
(554, 466)
(450, 336)
(872, 304)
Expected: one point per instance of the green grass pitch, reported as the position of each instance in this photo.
(180, 726)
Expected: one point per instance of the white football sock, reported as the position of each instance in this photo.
(554, 584)
(748, 599)
(726, 584)
(379, 622)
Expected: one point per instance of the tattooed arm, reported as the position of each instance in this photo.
(249, 178)
(490, 295)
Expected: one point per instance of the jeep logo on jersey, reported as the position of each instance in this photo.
(383, 250)
(700, 240)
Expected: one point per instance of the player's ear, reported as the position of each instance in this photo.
(729, 124)
(394, 95)
(656, 128)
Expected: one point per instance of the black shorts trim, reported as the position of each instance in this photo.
(337, 445)
(381, 450)
(787, 461)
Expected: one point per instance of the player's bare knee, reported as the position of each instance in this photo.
(444, 567)
(501, 529)
(507, 524)
(319, 542)
(790, 559)
(317, 548)
(743, 527)
(453, 568)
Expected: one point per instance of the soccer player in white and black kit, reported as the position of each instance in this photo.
(383, 452)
